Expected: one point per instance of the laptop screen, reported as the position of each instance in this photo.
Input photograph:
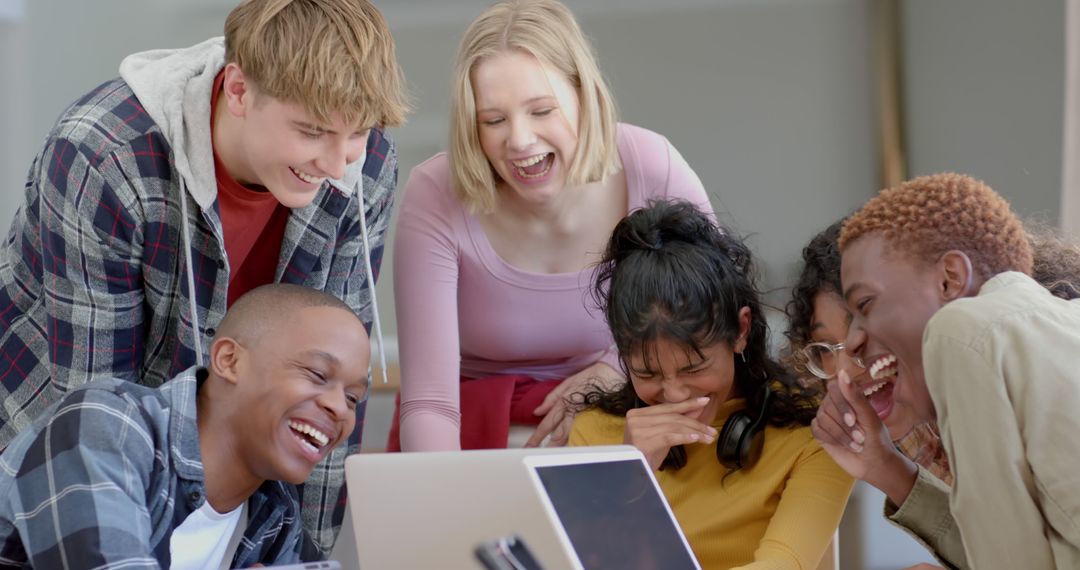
(614, 516)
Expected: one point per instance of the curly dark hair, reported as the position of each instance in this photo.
(670, 272)
(1056, 260)
(820, 272)
(930, 215)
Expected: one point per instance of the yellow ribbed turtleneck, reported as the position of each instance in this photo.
(782, 513)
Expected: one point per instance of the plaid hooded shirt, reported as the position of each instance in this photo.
(103, 478)
(120, 224)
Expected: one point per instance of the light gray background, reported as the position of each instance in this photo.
(770, 101)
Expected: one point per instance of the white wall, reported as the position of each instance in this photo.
(769, 101)
(13, 164)
(63, 48)
(985, 90)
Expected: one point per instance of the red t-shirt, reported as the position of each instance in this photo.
(253, 222)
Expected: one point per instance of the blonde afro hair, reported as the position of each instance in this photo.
(931, 215)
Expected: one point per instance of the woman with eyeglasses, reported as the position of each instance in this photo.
(818, 324)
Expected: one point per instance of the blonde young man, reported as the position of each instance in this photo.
(199, 174)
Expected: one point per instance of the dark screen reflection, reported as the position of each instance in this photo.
(615, 517)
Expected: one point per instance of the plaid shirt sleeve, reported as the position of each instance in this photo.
(323, 495)
(79, 497)
(79, 240)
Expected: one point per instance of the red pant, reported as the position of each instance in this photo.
(488, 407)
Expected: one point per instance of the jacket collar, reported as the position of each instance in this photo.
(181, 394)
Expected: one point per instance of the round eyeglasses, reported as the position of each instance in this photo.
(822, 358)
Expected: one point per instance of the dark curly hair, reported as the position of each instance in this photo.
(670, 272)
(820, 272)
(930, 215)
(1056, 260)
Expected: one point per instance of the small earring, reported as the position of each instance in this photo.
(743, 356)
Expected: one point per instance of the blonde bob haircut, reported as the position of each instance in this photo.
(333, 57)
(546, 30)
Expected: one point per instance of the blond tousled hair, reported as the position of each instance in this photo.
(546, 30)
(333, 57)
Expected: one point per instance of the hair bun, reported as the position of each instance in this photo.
(658, 226)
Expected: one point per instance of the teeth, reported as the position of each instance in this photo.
(882, 367)
(319, 436)
(519, 167)
(306, 177)
(867, 392)
(529, 161)
(308, 445)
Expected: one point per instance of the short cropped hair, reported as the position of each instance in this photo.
(546, 30)
(931, 215)
(268, 308)
(333, 57)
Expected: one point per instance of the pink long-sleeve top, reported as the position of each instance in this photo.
(464, 312)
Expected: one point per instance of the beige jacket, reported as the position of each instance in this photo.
(1003, 370)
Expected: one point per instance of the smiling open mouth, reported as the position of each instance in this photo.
(534, 167)
(879, 391)
(309, 437)
(304, 177)
(883, 367)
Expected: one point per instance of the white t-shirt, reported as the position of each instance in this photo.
(203, 540)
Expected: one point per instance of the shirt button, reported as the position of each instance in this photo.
(210, 331)
(221, 264)
(195, 496)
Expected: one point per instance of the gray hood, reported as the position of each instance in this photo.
(174, 85)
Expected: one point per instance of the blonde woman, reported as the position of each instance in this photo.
(496, 237)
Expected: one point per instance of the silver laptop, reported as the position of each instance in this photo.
(431, 510)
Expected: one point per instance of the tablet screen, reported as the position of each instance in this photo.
(614, 516)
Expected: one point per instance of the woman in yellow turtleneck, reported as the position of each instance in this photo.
(679, 296)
